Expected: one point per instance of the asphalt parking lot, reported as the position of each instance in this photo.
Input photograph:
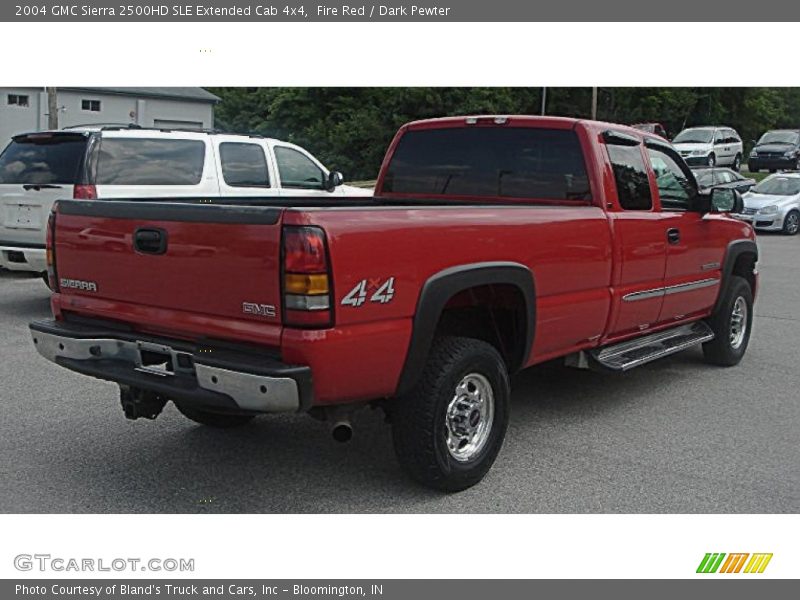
(676, 436)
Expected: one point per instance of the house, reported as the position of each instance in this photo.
(24, 109)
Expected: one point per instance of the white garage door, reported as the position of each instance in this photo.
(169, 124)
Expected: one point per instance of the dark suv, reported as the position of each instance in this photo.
(777, 149)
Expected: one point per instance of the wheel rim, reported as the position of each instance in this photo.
(469, 417)
(738, 323)
(711, 161)
(792, 223)
(737, 162)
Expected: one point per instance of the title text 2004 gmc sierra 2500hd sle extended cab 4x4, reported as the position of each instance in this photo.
(493, 244)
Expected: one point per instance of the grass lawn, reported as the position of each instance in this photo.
(757, 176)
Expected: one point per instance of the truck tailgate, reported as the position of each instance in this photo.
(196, 261)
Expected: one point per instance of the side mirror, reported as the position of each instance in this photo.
(335, 179)
(726, 200)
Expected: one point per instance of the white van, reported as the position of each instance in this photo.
(124, 162)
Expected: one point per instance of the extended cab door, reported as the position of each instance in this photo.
(640, 239)
(694, 249)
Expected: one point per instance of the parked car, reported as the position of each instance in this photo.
(723, 177)
(493, 244)
(656, 128)
(121, 162)
(710, 147)
(777, 149)
(774, 204)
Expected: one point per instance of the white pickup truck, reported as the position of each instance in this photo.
(124, 162)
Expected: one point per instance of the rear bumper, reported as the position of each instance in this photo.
(205, 377)
(23, 258)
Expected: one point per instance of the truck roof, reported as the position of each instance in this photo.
(525, 121)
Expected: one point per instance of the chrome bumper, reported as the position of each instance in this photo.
(209, 378)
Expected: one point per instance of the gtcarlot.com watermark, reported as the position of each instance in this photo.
(58, 564)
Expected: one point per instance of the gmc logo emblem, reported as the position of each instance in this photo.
(260, 310)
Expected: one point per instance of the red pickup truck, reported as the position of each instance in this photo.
(492, 244)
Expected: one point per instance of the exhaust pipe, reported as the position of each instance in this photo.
(342, 428)
(342, 431)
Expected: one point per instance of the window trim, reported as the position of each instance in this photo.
(617, 138)
(669, 151)
(90, 101)
(17, 103)
(263, 186)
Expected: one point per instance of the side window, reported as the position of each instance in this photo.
(674, 187)
(719, 137)
(142, 161)
(297, 170)
(243, 165)
(630, 174)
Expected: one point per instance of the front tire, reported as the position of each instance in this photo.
(791, 224)
(448, 430)
(731, 324)
(712, 160)
(211, 419)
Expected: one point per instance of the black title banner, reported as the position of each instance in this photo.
(401, 11)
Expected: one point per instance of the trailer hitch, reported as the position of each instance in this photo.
(140, 404)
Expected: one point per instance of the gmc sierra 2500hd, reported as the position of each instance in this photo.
(493, 244)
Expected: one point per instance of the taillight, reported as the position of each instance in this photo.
(84, 192)
(306, 278)
(50, 252)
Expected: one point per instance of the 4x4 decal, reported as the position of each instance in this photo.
(377, 292)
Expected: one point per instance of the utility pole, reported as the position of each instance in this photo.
(594, 104)
(544, 99)
(52, 107)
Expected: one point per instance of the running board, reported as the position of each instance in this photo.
(633, 353)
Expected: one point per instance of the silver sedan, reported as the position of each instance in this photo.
(774, 204)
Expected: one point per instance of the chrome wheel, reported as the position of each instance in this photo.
(711, 160)
(792, 223)
(738, 323)
(737, 163)
(469, 417)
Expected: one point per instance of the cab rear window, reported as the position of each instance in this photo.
(43, 159)
(142, 161)
(489, 162)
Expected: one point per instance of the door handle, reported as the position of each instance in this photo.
(673, 235)
(150, 241)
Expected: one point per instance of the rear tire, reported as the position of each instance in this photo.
(211, 419)
(731, 324)
(449, 429)
(737, 163)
